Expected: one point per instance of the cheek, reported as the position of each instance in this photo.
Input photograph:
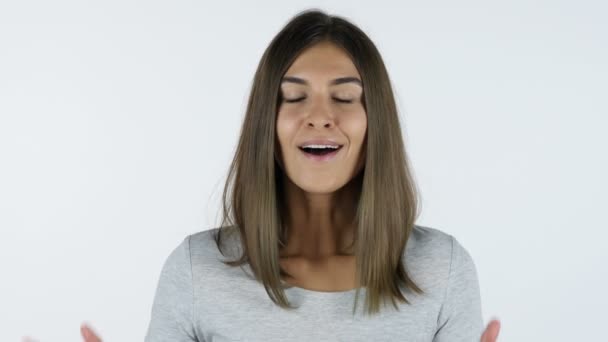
(356, 128)
(285, 129)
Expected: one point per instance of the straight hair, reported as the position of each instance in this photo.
(387, 204)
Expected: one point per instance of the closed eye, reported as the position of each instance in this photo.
(343, 100)
(294, 100)
(302, 98)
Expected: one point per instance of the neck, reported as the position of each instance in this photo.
(319, 225)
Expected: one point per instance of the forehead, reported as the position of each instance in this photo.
(322, 60)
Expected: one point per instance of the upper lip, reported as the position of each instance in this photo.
(320, 141)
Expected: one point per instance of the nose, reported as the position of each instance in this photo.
(320, 116)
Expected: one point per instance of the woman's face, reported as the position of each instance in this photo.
(322, 107)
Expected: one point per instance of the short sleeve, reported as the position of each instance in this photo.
(172, 308)
(460, 318)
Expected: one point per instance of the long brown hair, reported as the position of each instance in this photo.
(388, 200)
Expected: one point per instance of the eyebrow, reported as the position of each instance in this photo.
(339, 80)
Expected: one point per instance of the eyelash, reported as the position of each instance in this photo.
(302, 98)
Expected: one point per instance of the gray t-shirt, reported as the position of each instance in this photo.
(198, 298)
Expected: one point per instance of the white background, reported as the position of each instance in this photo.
(118, 121)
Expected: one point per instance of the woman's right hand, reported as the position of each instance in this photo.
(88, 334)
(85, 330)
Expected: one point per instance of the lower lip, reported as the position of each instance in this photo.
(324, 157)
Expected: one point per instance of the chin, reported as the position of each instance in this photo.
(319, 187)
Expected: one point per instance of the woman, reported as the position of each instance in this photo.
(319, 209)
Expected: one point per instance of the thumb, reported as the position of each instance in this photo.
(28, 339)
(88, 334)
(491, 332)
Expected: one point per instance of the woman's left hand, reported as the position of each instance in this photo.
(491, 332)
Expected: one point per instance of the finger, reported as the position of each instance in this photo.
(28, 339)
(88, 334)
(491, 332)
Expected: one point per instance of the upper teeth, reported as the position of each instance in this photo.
(320, 146)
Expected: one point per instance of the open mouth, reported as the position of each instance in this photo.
(320, 151)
